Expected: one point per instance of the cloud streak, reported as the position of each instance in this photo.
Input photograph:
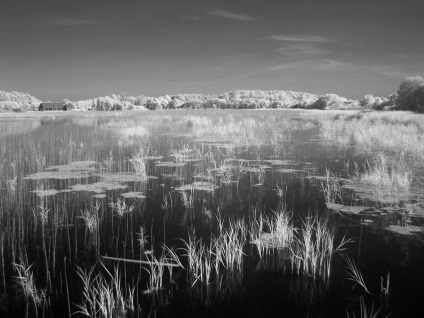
(302, 48)
(301, 38)
(230, 15)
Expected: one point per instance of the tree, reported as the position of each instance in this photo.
(410, 94)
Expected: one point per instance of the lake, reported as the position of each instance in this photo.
(212, 213)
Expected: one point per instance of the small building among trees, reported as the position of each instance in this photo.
(47, 106)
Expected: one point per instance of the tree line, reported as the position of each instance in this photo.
(409, 96)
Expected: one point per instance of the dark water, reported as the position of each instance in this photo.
(54, 170)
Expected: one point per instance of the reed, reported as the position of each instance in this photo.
(34, 298)
(330, 187)
(120, 207)
(387, 131)
(272, 233)
(138, 162)
(102, 297)
(388, 176)
(364, 312)
(354, 275)
(314, 248)
(230, 242)
(198, 259)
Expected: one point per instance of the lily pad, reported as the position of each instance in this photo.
(133, 194)
(405, 230)
(198, 185)
(284, 170)
(98, 187)
(171, 164)
(346, 208)
(45, 193)
(99, 196)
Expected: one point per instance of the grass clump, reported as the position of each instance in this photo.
(34, 298)
(103, 298)
(388, 175)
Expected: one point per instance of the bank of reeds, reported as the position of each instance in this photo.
(383, 131)
(389, 176)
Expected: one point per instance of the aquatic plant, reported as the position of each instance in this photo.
(187, 199)
(330, 187)
(142, 238)
(388, 131)
(102, 297)
(364, 312)
(388, 176)
(279, 235)
(354, 275)
(33, 296)
(91, 218)
(138, 162)
(120, 207)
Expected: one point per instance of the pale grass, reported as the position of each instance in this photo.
(388, 175)
(384, 131)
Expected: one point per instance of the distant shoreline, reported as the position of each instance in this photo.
(57, 114)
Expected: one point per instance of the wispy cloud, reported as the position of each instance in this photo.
(333, 65)
(230, 15)
(314, 65)
(302, 48)
(61, 21)
(300, 38)
(285, 66)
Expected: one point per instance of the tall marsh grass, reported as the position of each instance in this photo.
(388, 175)
(34, 298)
(384, 131)
(103, 296)
(308, 249)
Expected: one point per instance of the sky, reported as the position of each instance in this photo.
(79, 49)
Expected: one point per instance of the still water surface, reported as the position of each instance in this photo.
(173, 173)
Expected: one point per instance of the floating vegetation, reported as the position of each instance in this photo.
(348, 209)
(75, 166)
(121, 177)
(171, 164)
(133, 194)
(153, 158)
(98, 187)
(325, 178)
(283, 170)
(277, 162)
(172, 176)
(199, 186)
(99, 196)
(45, 193)
(253, 170)
(75, 170)
(405, 230)
(203, 177)
(61, 175)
